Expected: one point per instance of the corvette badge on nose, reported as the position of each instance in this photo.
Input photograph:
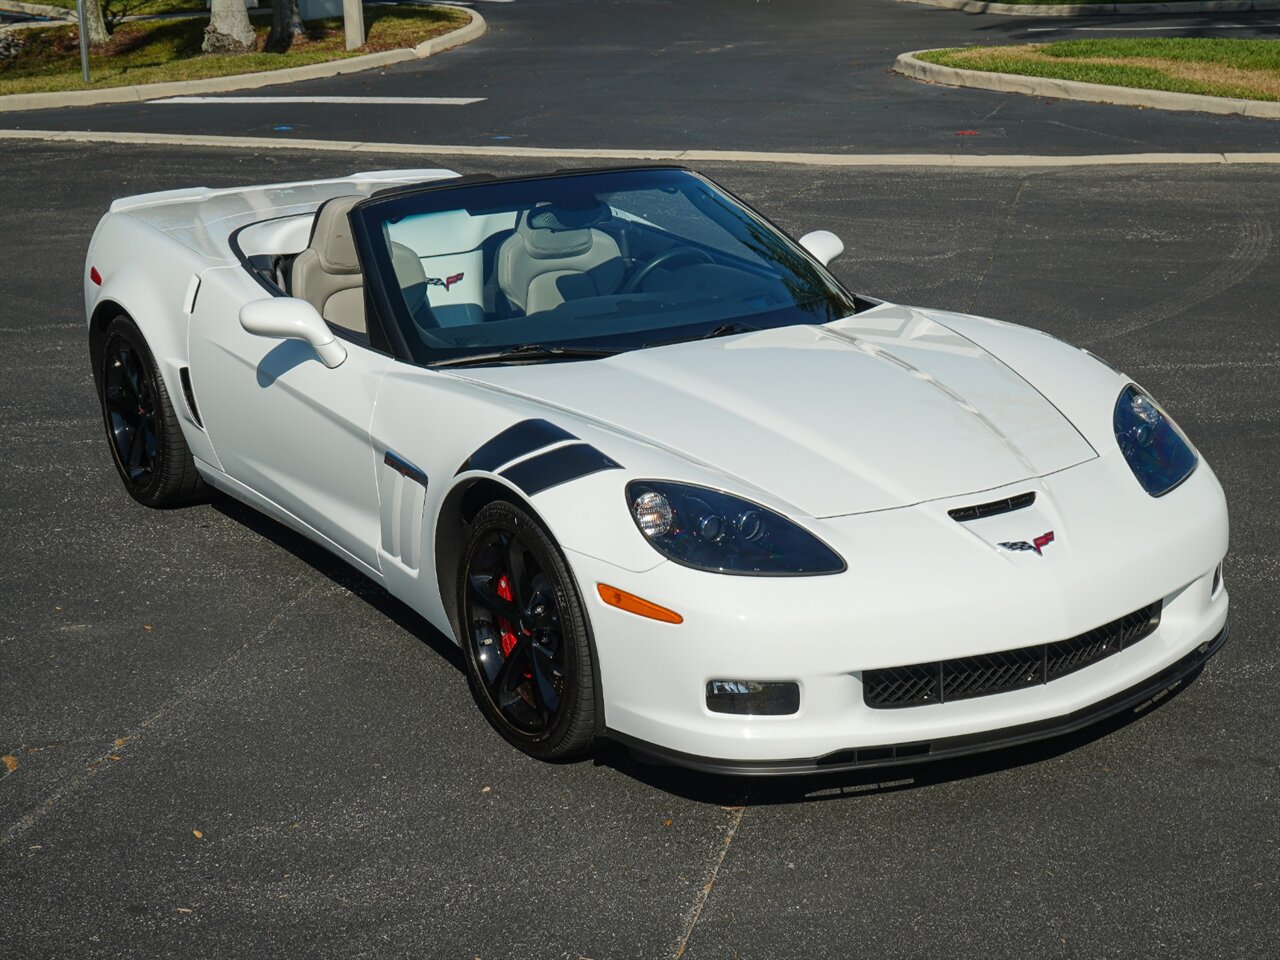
(1038, 544)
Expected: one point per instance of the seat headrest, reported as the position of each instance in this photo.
(407, 265)
(551, 217)
(557, 233)
(331, 237)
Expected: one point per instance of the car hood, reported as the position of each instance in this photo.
(880, 410)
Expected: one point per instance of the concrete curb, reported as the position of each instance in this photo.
(1102, 9)
(37, 10)
(909, 65)
(686, 156)
(246, 81)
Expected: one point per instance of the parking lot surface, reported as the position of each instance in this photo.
(755, 75)
(225, 744)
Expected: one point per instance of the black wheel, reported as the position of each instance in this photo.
(146, 439)
(526, 639)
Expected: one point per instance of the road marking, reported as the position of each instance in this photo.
(1207, 26)
(684, 156)
(398, 101)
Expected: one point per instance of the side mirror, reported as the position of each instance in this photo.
(823, 244)
(288, 318)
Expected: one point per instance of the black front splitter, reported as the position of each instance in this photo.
(1152, 689)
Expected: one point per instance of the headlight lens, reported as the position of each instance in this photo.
(1157, 452)
(709, 530)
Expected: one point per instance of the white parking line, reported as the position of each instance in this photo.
(686, 156)
(397, 101)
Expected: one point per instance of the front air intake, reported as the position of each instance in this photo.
(966, 677)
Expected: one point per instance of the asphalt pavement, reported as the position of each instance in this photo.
(768, 75)
(226, 744)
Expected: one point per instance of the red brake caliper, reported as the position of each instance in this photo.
(505, 627)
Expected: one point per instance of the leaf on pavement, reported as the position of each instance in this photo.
(10, 762)
(198, 834)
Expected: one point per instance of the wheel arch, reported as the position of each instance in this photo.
(467, 498)
(459, 507)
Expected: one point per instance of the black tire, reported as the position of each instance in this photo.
(147, 445)
(531, 671)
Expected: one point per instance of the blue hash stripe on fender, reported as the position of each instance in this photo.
(517, 440)
(558, 466)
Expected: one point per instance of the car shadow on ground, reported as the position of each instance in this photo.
(337, 570)
(729, 791)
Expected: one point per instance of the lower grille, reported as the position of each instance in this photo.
(966, 677)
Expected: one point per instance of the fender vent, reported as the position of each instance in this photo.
(189, 395)
(980, 510)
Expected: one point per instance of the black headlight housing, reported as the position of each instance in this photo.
(709, 530)
(1155, 449)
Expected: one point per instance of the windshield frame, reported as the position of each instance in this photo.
(384, 296)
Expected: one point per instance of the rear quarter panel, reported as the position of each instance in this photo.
(154, 280)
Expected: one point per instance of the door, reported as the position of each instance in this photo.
(288, 427)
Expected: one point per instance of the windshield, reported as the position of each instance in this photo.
(592, 263)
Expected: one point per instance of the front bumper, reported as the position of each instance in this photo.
(1142, 695)
(920, 587)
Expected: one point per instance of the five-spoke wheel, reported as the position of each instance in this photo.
(526, 638)
(146, 439)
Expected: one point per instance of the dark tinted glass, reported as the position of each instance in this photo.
(615, 260)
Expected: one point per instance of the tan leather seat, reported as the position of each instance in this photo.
(547, 261)
(327, 273)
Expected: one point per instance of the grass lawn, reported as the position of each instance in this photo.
(115, 9)
(1048, 3)
(1248, 69)
(1045, 3)
(157, 50)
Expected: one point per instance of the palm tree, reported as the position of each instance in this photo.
(94, 26)
(286, 25)
(229, 30)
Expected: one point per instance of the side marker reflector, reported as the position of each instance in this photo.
(633, 604)
(95, 276)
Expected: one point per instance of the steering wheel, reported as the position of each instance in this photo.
(675, 253)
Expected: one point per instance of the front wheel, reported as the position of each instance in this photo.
(146, 439)
(526, 639)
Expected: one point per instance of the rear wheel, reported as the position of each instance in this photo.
(525, 637)
(146, 439)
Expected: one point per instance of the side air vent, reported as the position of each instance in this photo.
(189, 395)
(980, 510)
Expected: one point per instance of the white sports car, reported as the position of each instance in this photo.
(655, 470)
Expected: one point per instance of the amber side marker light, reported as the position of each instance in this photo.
(633, 604)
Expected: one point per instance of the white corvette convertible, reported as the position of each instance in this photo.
(661, 477)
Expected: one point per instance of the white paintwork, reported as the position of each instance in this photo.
(289, 318)
(823, 244)
(865, 431)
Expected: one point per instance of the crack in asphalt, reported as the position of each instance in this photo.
(1250, 251)
(695, 913)
(74, 785)
(995, 247)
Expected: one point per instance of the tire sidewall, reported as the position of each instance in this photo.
(581, 692)
(125, 330)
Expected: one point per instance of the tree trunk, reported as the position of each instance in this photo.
(286, 23)
(95, 27)
(229, 30)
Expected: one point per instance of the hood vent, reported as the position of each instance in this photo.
(995, 507)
